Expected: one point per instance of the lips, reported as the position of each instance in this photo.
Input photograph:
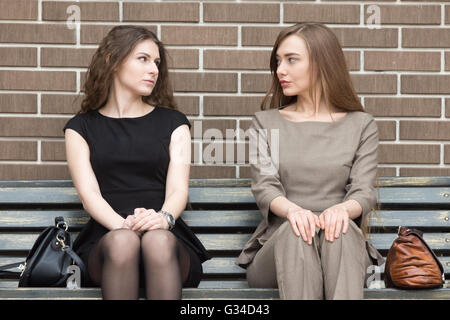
(284, 83)
(151, 82)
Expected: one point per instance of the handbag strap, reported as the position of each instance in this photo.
(4, 268)
(78, 262)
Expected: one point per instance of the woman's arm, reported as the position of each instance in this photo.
(360, 197)
(77, 153)
(177, 184)
(177, 181)
(267, 188)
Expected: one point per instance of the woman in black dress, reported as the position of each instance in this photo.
(128, 152)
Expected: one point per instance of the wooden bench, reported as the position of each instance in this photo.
(223, 215)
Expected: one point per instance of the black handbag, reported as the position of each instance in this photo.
(51, 260)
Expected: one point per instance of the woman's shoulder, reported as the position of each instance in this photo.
(362, 117)
(265, 116)
(169, 111)
(171, 116)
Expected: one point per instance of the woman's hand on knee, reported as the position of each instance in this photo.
(303, 223)
(333, 220)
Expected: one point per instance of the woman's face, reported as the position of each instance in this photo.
(293, 66)
(139, 71)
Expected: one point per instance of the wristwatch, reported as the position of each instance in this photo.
(169, 217)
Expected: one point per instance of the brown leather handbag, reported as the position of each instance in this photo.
(411, 264)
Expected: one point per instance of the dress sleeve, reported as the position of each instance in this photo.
(77, 124)
(266, 184)
(179, 119)
(361, 182)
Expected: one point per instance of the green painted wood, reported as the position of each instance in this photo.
(77, 218)
(215, 266)
(219, 265)
(225, 242)
(413, 182)
(411, 218)
(221, 195)
(415, 196)
(381, 181)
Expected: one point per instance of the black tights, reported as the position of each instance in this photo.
(114, 264)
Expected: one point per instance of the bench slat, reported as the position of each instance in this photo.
(213, 293)
(218, 265)
(226, 242)
(218, 195)
(13, 219)
(245, 182)
(77, 218)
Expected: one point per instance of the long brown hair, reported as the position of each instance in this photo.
(327, 65)
(113, 50)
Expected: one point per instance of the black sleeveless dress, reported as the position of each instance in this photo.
(130, 158)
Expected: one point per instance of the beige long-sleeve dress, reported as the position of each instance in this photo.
(313, 164)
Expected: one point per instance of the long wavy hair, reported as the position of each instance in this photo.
(112, 51)
(327, 65)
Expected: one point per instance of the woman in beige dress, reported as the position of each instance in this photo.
(313, 160)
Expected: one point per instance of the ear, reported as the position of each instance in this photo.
(107, 58)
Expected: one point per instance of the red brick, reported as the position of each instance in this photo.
(182, 58)
(34, 172)
(204, 82)
(89, 11)
(409, 61)
(18, 10)
(375, 83)
(409, 153)
(94, 34)
(255, 82)
(431, 84)
(424, 172)
(189, 105)
(386, 130)
(407, 14)
(32, 127)
(424, 130)
(66, 57)
(212, 172)
(231, 105)
(53, 151)
(38, 80)
(18, 150)
(36, 33)
(324, 13)
(241, 12)
(18, 57)
(61, 103)
(403, 107)
(170, 12)
(426, 38)
(18, 103)
(386, 172)
(236, 59)
(447, 153)
(199, 35)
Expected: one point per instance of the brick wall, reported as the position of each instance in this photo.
(219, 70)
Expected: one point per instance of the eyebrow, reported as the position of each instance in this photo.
(147, 55)
(290, 54)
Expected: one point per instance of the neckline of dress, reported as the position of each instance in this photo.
(308, 121)
(127, 118)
